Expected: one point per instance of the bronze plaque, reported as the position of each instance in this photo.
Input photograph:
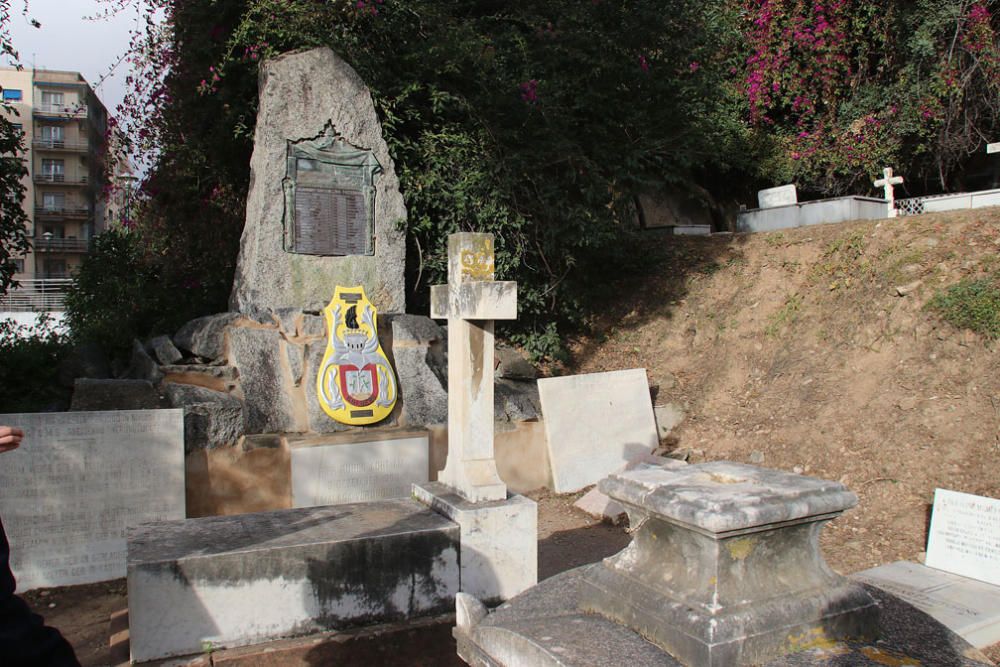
(329, 197)
(330, 222)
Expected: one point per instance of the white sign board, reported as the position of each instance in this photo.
(965, 536)
(595, 424)
(354, 472)
(783, 195)
(78, 481)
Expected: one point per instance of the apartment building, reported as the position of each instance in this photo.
(64, 125)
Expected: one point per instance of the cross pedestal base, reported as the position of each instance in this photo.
(498, 541)
(725, 566)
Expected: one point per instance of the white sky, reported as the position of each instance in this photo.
(68, 41)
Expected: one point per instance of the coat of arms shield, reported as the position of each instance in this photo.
(355, 384)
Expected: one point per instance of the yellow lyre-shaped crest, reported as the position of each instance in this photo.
(355, 384)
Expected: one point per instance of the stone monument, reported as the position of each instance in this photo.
(499, 549)
(324, 200)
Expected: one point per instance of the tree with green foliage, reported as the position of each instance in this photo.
(846, 87)
(13, 219)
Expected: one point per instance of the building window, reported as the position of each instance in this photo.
(51, 99)
(18, 128)
(18, 266)
(12, 95)
(53, 133)
(54, 170)
(54, 201)
(55, 268)
(53, 232)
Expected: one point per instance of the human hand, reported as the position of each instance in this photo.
(10, 438)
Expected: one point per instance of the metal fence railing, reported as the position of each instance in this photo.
(40, 294)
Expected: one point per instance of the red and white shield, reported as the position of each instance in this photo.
(359, 386)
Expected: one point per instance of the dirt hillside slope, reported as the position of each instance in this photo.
(812, 350)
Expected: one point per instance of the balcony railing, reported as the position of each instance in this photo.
(36, 295)
(59, 145)
(41, 244)
(61, 212)
(61, 110)
(68, 179)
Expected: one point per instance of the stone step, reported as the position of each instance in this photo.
(219, 582)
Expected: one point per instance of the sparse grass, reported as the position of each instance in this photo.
(786, 316)
(972, 304)
(775, 239)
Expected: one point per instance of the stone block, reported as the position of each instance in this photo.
(595, 424)
(414, 330)
(783, 195)
(266, 380)
(668, 417)
(98, 395)
(515, 401)
(820, 212)
(232, 581)
(237, 480)
(211, 418)
(67, 498)
(164, 351)
(521, 456)
(142, 366)
(964, 536)
(357, 466)
(205, 336)
(499, 541)
(301, 93)
(724, 567)
(969, 608)
(422, 370)
(216, 378)
(512, 365)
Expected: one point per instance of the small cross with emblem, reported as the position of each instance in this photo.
(471, 301)
(887, 181)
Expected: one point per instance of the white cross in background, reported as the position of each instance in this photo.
(887, 181)
(471, 301)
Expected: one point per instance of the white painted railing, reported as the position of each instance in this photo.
(42, 294)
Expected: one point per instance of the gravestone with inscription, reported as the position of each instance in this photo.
(79, 480)
(324, 199)
(965, 536)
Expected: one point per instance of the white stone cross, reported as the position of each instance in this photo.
(471, 301)
(887, 181)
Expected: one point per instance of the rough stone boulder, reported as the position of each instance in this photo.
(211, 418)
(204, 336)
(301, 94)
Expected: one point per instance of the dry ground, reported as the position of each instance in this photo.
(792, 349)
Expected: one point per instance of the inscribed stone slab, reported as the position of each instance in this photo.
(969, 608)
(595, 424)
(783, 195)
(358, 467)
(78, 481)
(965, 536)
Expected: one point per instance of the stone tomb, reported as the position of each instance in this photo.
(232, 581)
(595, 424)
(78, 481)
(724, 569)
(358, 466)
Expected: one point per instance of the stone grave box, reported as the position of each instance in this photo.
(79, 481)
